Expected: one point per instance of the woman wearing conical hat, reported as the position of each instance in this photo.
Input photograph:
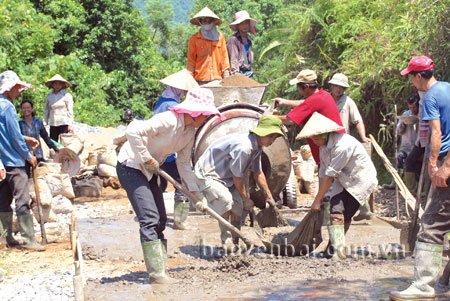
(207, 58)
(346, 167)
(240, 44)
(58, 109)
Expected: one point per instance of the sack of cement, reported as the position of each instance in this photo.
(47, 213)
(45, 168)
(106, 170)
(88, 187)
(61, 205)
(311, 187)
(108, 157)
(72, 142)
(307, 169)
(45, 193)
(305, 238)
(60, 184)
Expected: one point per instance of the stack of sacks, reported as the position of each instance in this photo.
(55, 190)
(305, 169)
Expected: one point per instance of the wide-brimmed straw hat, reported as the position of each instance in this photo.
(204, 13)
(182, 80)
(57, 78)
(339, 79)
(240, 17)
(268, 125)
(199, 101)
(8, 79)
(305, 76)
(318, 124)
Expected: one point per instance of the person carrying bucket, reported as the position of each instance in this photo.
(346, 167)
(149, 143)
(178, 84)
(222, 169)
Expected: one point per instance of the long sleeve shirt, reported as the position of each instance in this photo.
(36, 130)
(239, 59)
(206, 59)
(349, 112)
(409, 133)
(58, 109)
(13, 148)
(159, 137)
(345, 159)
(233, 155)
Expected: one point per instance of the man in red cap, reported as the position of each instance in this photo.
(435, 223)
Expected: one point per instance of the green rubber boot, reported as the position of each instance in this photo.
(27, 232)
(180, 215)
(427, 266)
(411, 182)
(364, 213)
(6, 219)
(337, 238)
(155, 257)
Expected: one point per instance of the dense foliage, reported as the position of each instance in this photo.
(114, 56)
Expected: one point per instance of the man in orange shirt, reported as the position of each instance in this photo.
(207, 58)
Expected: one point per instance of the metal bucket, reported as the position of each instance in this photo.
(241, 117)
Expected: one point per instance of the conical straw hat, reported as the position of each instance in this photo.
(55, 78)
(318, 124)
(205, 12)
(182, 80)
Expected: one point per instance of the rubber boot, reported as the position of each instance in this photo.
(329, 250)
(427, 266)
(389, 186)
(364, 213)
(27, 232)
(411, 182)
(180, 215)
(226, 238)
(6, 219)
(155, 257)
(237, 225)
(337, 238)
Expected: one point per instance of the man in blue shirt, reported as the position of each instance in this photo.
(435, 223)
(14, 152)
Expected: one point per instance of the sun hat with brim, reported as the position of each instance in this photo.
(56, 78)
(268, 125)
(318, 124)
(339, 79)
(8, 79)
(182, 80)
(199, 101)
(240, 17)
(205, 13)
(305, 76)
(418, 63)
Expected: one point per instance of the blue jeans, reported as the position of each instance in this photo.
(147, 201)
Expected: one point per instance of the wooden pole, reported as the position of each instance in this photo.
(39, 207)
(395, 161)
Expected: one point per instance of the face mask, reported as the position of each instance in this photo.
(208, 27)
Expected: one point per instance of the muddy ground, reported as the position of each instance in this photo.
(114, 267)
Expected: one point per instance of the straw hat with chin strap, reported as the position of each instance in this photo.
(182, 80)
(318, 124)
(205, 13)
(57, 78)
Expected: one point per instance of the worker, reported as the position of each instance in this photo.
(240, 44)
(2, 240)
(149, 143)
(207, 58)
(317, 100)
(14, 152)
(435, 221)
(408, 132)
(346, 167)
(349, 116)
(222, 171)
(128, 116)
(178, 85)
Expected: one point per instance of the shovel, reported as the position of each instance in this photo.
(208, 210)
(39, 207)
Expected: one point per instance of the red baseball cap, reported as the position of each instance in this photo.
(418, 63)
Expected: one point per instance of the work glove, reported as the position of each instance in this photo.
(201, 205)
(152, 165)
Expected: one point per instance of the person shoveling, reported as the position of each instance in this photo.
(346, 167)
(221, 173)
